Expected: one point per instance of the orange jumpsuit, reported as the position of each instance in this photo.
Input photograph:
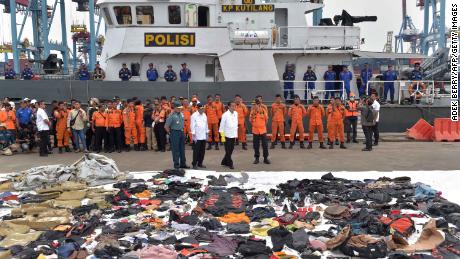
(316, 115)
(335, 123)
(129, 120)
(9, 118)
(259, 121)
(296, 113)
(187, 116)
(140, 124)
(242, 111)
(62, 133)
(220, 108)
(212, 113)
(278, 112)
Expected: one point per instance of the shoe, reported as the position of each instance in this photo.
(331, 146)
(209, 146)
(310, 145)
(136, 147)
(231, 167)
(110, 151)
(201, 166)
(283, 145)
(355, 141)
(119, 151)
(143, 148)
(195, 167)
(256, 161)
(86, 151)
(185, 167)
(128, 148)
(375, 144)
(67, 149)
(366, 149)
(60, 150)
(245, 146)
(43, 155)
(216, 147)
(321, 145)
(272, 146)
(266, 161)
(337, 142)
(302, 146)
(291, 145)
(342, 146)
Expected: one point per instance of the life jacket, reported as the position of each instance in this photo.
(351, 106)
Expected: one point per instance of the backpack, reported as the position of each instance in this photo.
(403, 225)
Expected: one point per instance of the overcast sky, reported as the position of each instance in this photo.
(388, 12)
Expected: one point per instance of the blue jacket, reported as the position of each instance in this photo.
(24, 115)
(416, 75)
(329, 75)
(185, 75)
(289, 76)
(309, 76)
(10, 74)
(170, 76)
(27, 74)
(83, 74)
(346, 77)
(389, 76)
(366, 75)
(152, 74)
(124, 74)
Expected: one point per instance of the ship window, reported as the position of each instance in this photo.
(174, 14)
(123, 14)
(203, 16)
(135, 68)
(107, 15)
(144, 14)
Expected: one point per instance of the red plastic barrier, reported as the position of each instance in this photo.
(421, 130)
(446, 130)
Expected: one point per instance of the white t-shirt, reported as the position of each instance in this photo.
(41, 117)
(376, 107)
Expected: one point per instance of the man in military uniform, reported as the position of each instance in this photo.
(125, 73)
(175, 127)
(27, 73)
(288, 77)
(170, 75)
(9, 72)
(309, 76)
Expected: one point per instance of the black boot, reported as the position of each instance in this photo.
(60, 150)
(136, 147)
(321, 145)
(355, 141)
(291, 145)
(216, 147)
(331, 145)
(310, 145)
(342, 146)
(67, 149)
(266, 161)
(128, 148)
(256, 161)
(209, 146)
(283, 145)
(245, 146)
(142, 147)
(302, 146)
(272, 146)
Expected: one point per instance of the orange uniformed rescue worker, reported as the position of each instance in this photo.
(278, 113)
(139, 108)
(296, 113)
(99, 120)
(351, 118)
(187, 115)
(259, 118)
(335, 115)
(129, 122)
(212, 114)
(315, 113)
(113, 127)
(62, 132)
(242, 112)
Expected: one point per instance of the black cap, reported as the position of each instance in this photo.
(199, 105)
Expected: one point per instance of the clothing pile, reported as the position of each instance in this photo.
(170, 214)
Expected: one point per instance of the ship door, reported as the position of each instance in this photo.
(191, 11)
(203, 16)
(281, 22)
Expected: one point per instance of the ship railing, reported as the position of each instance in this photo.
(301, 89)
(402, 89)
(317, 37)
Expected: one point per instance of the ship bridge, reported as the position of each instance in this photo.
(216, 37)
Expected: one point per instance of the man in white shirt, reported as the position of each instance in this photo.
(229, 130)
(375, 128)
(199, 129)
(43, 127)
